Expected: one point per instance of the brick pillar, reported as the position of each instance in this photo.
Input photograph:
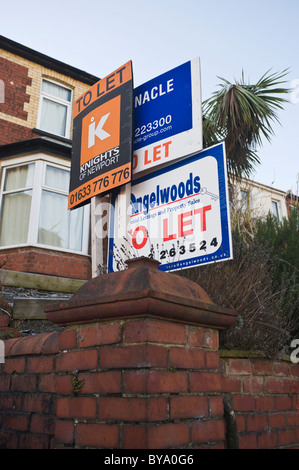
(145, 350)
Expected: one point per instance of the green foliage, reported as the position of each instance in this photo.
(242, 114)
(282, 239)
(76, 385)
(265, 321)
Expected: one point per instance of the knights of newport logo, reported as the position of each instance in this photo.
(100, 130)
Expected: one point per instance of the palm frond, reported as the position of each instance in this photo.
(243, 114)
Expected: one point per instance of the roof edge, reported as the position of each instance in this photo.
(46, 61)
(39, 144)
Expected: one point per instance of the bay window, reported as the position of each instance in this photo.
(34, 198)
(16, 205)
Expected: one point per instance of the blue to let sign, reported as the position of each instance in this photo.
(167, 118)
(163, 106)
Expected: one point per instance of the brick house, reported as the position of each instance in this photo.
(292, 201)
(37, 232)
(38, 235)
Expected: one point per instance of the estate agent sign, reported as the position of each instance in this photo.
(179, 214)
(102, 137)
(167, 118)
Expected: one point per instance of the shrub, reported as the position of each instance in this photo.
(266, 318)
(283, 241)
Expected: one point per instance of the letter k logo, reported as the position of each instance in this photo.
(100, 130)
(97, 131)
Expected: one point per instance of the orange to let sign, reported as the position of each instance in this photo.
(102, 137)
(103, 87)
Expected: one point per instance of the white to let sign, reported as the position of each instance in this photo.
(167, 118)
(179, 215)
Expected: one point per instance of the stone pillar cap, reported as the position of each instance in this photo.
(141, 290)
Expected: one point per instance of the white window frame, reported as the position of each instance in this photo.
(278, 209)
(244, 200)
(41, 161)
(68, 104)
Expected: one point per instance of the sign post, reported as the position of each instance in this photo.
(99, 222)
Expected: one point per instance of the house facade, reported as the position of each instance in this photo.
(258, 200)
(292, 201)
(37, 232)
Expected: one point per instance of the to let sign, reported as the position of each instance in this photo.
(102, 137)
(179, 215)
(167, 118)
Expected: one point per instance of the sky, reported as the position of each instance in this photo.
(228, 36)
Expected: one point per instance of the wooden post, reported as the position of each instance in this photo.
(100, 215)
(123, 206)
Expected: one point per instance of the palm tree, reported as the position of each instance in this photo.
(242, 114)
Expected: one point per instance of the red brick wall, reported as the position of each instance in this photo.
(42, 261)
(265, 397)
(15, 78)
(146, 383)
(11, 132)
(291, 200)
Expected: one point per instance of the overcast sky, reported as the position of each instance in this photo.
(229, 36)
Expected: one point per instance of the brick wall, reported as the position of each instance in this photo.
(50, 262)
(145, 383)
(15, 78)
(12, 132)
(265, 399)
(22, 83)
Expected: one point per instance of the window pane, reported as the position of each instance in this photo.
(244, 196)
(57, 178)
(76, 229)
(57, 227)
(53, 117)
(275, 209)
(56, 90)
(53, 223)
(17, 178)
(15, 218)
(244, 201)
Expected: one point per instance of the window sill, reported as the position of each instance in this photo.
(52, 136)
(45, 247)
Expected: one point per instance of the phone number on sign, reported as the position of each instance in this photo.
(183, 249)
(100, 185)
(151, 126)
